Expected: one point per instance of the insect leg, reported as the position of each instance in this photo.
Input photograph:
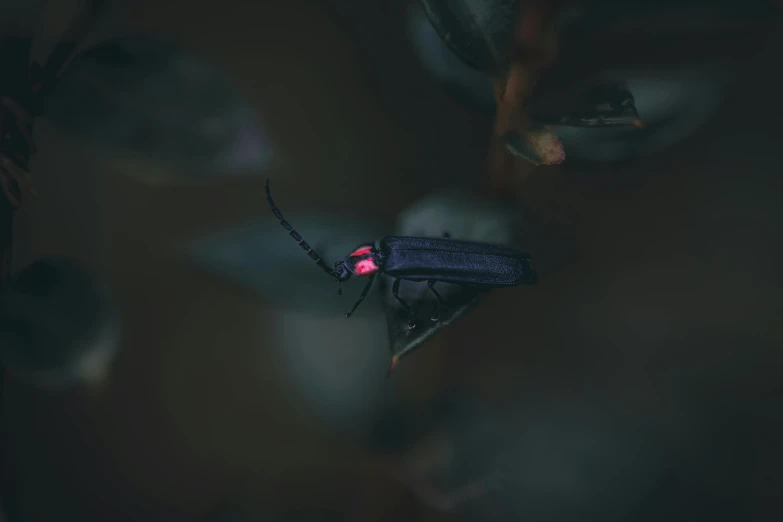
(395, 292)
(361, 297)
(441, 302)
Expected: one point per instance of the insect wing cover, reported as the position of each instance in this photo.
(463, 216)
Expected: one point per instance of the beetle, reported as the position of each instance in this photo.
(422, 259)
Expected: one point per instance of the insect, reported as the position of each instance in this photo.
(423, 259)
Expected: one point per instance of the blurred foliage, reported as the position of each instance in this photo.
(149, 101)
(464, 81)
(614, 391)
(673, 100)
(334, 367)
(264, 259)
(478, 31)
(57, 324)
(463, 215)
(674, 105)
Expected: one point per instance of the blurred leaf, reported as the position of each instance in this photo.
(633, 29)
(678, 59)
(462, 215)
(263, 258)
(594, 106)
(478, 31)
(598, 107)
(335, 366)
(437, 58)
(146, 100)
(57, 324)
(673, 105)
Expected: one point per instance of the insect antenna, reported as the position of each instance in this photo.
(298, 238)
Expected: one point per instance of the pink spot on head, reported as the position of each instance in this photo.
(361, 251)
(365, 267)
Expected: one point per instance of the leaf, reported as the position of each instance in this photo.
(462, 216)
(263, 258)
(601, 106)
(147, 101)
(478, 31)
(596, 106)
(674, 104)
(462, 80)
(57, 324)
(333, 366)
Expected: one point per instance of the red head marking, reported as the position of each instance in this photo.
(365, 267)
(361, 251)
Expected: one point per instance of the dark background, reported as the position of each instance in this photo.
(658, 312)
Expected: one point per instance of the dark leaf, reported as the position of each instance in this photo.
(45, 75)
(437, 58)
(461, 215)
(264, 259)
(676, 58)
(333, 366)
(673, 104)
(57, 323)
(598, 106)
(162, 106)
(538, 144)
(478, 31)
